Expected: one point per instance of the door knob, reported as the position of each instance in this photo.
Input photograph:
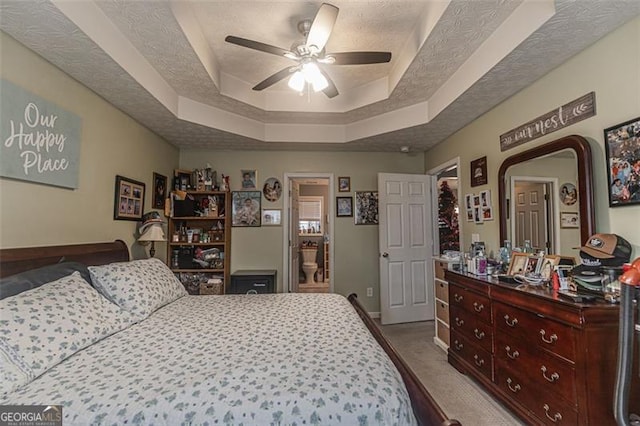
(385, 254)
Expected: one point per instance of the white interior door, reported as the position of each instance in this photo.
(406, 247)
(294, 214)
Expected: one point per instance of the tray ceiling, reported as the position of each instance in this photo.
(165, 63)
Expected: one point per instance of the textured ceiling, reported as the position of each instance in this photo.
(442, 76)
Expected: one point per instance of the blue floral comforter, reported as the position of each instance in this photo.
(282, 359)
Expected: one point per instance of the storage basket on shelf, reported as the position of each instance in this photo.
(211, 287)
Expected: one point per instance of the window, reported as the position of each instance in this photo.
(310, 215)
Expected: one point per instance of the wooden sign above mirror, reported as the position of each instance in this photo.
(578, 146)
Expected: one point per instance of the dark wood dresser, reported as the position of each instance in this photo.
(550, 360)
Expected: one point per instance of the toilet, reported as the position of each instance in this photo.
(309, 265)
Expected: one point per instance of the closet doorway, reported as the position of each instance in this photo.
(307, 220)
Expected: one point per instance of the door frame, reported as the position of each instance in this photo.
(330, 212)
(555, 206)
(433, 173)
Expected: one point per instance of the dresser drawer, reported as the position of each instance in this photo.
(472, 354)
(439, 268)
(470, 301)
(442, 290)
(535, 330)
(547, 406)
(442, 312)
(443, 332)
(467, 324)
(550, 373)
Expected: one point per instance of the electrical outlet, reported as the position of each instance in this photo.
(369, 291)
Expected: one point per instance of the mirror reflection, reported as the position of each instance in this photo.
(546, 196)
(544, 204)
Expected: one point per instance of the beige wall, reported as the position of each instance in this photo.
(356, 247)
(112, 143)
(611, 68)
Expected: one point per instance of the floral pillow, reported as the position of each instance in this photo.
(138, 286)
(42, 327)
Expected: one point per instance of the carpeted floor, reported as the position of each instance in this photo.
(457, 394)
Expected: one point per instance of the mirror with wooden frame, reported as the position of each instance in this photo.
(546, 196)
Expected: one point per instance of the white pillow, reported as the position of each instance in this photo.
(138, 286)
(42, 327)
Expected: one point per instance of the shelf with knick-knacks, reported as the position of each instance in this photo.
(199, 246)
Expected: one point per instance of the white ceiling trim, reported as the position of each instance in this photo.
(291, 101)
(95, 24)
(529, 17)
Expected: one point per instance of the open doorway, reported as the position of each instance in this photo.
(308, 225)
(533, 212)
(446, 207)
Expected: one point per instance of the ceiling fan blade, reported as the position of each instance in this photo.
(322, 25)
(256, 45)
(359, 58)
(331, 91)
(273, 79)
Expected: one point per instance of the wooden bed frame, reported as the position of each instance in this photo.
(13, 261)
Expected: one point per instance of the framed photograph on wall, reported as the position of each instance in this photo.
(470, 215)
(272, 189)
(159, 190)
(129, 199)
(479, 172)
(366, 209)
(344, 184)
(245, 209)
(468, 201)
(622, 144)
(569, 220)
(272, 217)
(344, 206)
(249, 179)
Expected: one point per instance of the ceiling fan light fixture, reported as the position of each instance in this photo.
(313, 76)
(297, 81)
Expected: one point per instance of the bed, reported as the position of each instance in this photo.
(159, 356)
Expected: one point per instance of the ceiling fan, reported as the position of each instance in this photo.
(310, 56)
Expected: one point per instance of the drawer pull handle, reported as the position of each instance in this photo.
(512, 355)
(551, 338)
(478, 308)
(459, 322)
(556, 417)
(554, 377)
(511, 323)
(514, 389)
(458, 345)
(479, 361)
(457, 297)
(479, 334)
(259, 284)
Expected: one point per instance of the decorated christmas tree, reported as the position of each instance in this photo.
(448, 219)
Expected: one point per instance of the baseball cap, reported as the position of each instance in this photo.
(148, 219)
(601, 250)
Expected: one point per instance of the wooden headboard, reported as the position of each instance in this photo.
(16, 260)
